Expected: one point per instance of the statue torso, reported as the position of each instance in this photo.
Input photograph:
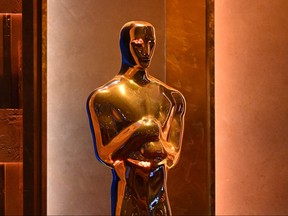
(123, 102)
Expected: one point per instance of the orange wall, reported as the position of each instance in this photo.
(251, 107)
(186, 71)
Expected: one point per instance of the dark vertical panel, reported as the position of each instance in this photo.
(16, 60)
(28, 109)
(6, 88)
(1, 57)
(211, 96)
(2, 189)
(32, 107)
(11, 62)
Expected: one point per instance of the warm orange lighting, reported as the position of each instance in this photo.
(122, 89)
(138, 41)
(116, 163)
(144, 163)
(140, 163)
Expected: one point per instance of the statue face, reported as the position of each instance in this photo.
(142, 43)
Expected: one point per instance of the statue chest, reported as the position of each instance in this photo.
(128, 104)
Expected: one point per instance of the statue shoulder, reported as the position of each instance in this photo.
(103, 91)
(176, 94)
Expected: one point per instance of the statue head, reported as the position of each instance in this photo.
(137, 42)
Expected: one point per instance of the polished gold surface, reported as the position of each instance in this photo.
(137, 126)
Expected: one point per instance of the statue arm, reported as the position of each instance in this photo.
(105, 152)
(172, 131)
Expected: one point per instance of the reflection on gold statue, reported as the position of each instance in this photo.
(137, 127)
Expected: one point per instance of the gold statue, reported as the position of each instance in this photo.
(137, 125)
